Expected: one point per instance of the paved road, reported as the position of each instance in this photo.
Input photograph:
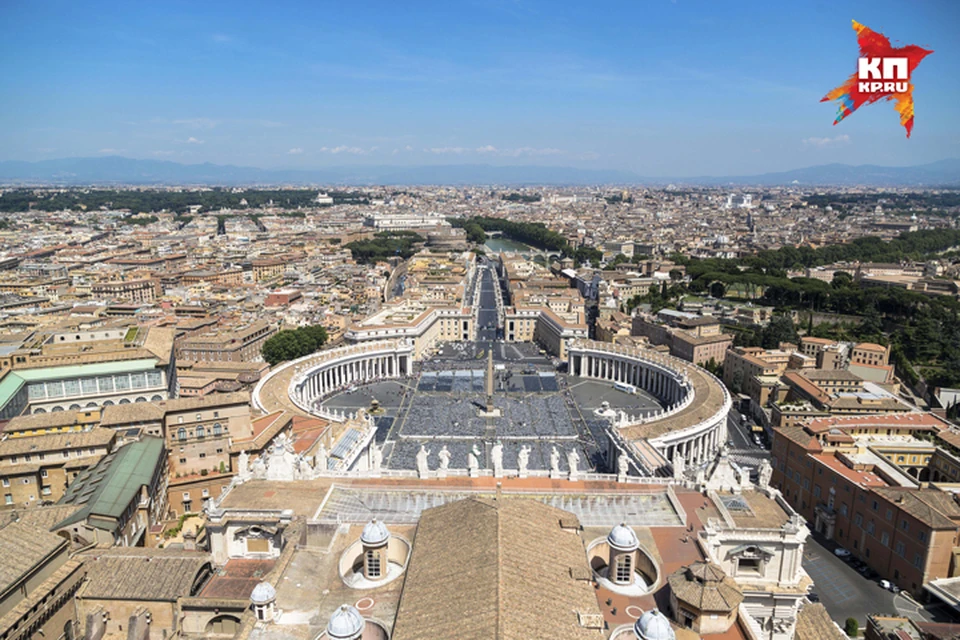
(844, 592)
(487, 319)
(744, 452)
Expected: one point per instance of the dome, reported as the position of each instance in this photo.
(346, 623)
(653, 625)
(263, 593)
(375, 533)
(622, 538)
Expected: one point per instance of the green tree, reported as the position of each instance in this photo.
(852, 627)
(291, 344)
(780, 329)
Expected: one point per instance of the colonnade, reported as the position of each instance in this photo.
(666, 385)
(338, 372)
(669, 380)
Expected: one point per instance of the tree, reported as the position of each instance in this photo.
(852, 627)
(779, 330)
(292, 344)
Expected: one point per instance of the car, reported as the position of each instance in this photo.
(885, 584)
(870, 574)
(813, 597)
(840, 552)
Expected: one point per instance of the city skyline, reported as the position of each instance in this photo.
(670, 89)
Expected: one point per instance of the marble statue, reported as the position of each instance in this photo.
(764, 474)
(523, 459)
(496, 457)
(679, 465)
(423, 466)
(554, 461)
(623, 464)
(472, 463)
(243, 464)
(259, 468)
(444, 456)
(573, 460)
(322, 457)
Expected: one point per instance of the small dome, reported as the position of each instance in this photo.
(263, 593)
(623, 538)
(346, 623)
(375, 533)
(653, 625)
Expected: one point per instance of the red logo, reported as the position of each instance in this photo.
(883, 73)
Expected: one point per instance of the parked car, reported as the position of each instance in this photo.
(885, 584)
(813, 597)
(840, 552)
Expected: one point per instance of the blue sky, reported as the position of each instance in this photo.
(657, 87)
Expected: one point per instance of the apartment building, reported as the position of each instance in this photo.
(242, 344)
(858, 481)
(36, 470)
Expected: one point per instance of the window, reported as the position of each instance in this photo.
(885, 538)
(858, 520)
(198, 416)
(200, 432)
(216, 414)
(624, 570)
(217, 429)
(186, 496)
(205, 493)
(203, 455)
(816, 491)
(889, 515)
(183, 461)
(8, 498)
(181, 434)
(870, 527)
(917, 560)
(900, 548)
(875, 506)
(843, 509)
(6, 482)
(373, 564)
(922, 536)
(43, 473)
(905, 525)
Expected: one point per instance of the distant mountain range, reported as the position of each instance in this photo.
(116, 170)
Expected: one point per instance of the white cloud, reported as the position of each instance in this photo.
(109, 150)
(487, 149)
(826, 142)
(445, 150)
(344, 149)
(295, 151)
(192, 140)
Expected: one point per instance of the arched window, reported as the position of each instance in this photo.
(200, 432)
(373, 563)
(181, 434)
(217, 429)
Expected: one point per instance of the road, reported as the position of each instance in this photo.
(844, 592)
(744, 452)
(487, 319)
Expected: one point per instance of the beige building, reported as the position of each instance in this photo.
(234, 345)
(38, 469)
(37, 584)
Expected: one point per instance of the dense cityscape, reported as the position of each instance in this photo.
(281, 413)
(486, 320)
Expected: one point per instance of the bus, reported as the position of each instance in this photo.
(626, 388)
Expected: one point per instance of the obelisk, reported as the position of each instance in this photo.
(490, 380)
